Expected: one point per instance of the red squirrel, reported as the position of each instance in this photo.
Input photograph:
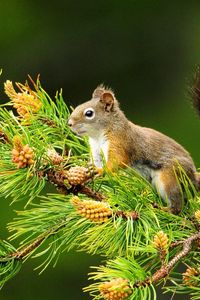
(154, 155)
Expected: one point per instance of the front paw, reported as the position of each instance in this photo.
(99, 171)
(94, 171)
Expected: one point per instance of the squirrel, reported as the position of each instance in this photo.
(154, 155)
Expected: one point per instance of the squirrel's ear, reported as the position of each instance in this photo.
(107, 98)
(98, 92)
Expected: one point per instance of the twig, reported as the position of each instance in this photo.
(3, 138)
(25, 251)
(176, 244)
(21, 254)
(58, 178)
(48, 122)
(165, 270)
(86, 190)
(134, 215)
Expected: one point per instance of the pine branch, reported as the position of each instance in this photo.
(59, 179)
(166, 269)
(25, 251)
(59, 224)
(86, 190)
(133, 284)
(115, 215)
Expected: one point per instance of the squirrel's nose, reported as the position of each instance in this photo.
(70, 122)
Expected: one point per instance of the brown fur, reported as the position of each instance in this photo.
(117, 155)
(153, 154)
(171, 189)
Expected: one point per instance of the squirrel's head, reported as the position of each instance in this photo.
(95, 115)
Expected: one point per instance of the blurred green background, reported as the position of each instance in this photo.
(145, 50)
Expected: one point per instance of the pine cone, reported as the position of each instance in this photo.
(22, 155)
(160, 240)
(77, 175)
(92, 210)
(189, 276)
(54, 156)
(116, 289)
(161, 243)
(26, 102)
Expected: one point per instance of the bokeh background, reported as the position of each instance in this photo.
(145, 50)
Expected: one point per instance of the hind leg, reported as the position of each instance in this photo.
(168, 188)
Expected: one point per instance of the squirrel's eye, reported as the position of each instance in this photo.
(89, 113)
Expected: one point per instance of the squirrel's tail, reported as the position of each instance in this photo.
(195, 91)
(195, 95)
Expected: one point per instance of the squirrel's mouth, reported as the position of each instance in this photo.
(79, 131)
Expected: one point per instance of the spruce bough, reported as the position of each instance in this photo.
(117, 215)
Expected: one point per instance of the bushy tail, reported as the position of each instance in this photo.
(195, 91)
(195, 95)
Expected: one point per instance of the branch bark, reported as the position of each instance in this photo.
(166, 269)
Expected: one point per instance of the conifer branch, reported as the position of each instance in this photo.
(166, 269)
(115, 215)
(59, 179)
(25, 251)
(86, 190)
(133, 215)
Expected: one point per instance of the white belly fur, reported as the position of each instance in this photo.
(99, 150)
